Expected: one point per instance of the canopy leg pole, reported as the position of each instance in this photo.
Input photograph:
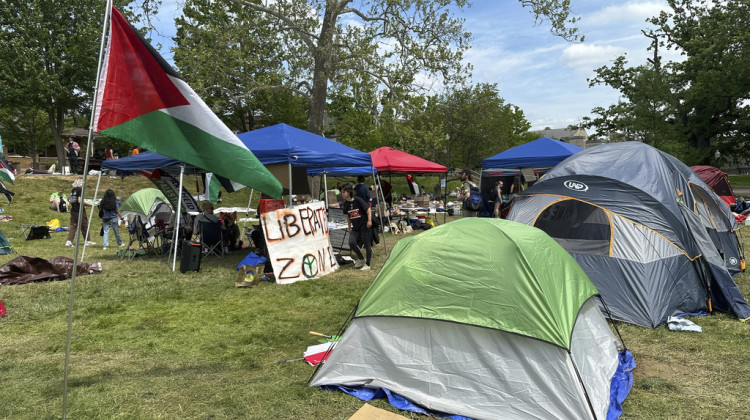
(291, 203)
(445, 199)
(247, 213)
(379, 188)
(177, 219)
(325, 189)
(91, 216)
(388, 211)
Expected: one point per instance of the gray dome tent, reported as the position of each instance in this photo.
(484, 318)
(651, 235)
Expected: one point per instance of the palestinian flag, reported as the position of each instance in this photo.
(6, 193)
(318, 353)
(143, 101)
(6, 174)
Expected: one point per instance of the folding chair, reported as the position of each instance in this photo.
(139, 238)
(211, 238)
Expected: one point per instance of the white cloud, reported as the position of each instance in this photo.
(635, 12)
(584, 58)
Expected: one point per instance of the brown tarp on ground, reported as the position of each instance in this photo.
(21, 270)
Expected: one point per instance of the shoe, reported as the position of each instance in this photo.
(104, 248)
(365, 268)
(90, 243)
(68, 243)
(121, 245)
(359, 263)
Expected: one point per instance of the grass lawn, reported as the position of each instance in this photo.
(739, 180)
(151, 344)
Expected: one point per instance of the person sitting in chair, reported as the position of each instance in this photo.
(59, 201)
(206, 216)
(231, 232)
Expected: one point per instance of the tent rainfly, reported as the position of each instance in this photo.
(484, 318)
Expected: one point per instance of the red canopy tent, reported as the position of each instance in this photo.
(392, 161)
(718, 181)
(388, 159)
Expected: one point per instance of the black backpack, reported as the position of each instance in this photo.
(474, 202)
(63, 207)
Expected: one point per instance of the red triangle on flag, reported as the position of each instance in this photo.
(135, 84)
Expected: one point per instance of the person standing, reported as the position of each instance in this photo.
(463, 195)
(361, 190)
(498, 199)
(72, 149)
(359, 222)
(109, 152)
(109, 209)
(76, 200)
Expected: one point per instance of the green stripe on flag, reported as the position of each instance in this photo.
(212, 188)
(7, 175)
(169, 136)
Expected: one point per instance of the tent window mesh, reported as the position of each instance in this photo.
(577, 226)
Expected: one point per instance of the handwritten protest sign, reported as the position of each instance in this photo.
(298, 242)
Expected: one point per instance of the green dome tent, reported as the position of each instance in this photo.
(145, 203)
(483, 318)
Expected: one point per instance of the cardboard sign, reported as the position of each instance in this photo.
(298, 242)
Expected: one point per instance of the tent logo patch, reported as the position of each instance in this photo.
(576, 186)
(733, 261)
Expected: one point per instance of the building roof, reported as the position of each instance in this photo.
(562, 133)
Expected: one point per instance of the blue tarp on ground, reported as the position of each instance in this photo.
(282, 143)
(540, 152)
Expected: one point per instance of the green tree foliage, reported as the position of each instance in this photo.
(325, 50)
(693, 107)
(456, 129)
(25, 130)
(479, 124)
(48, 58)
(235, 60)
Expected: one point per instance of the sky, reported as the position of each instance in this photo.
(543, 74)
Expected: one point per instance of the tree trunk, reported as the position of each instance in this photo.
(56, 126)
(321, 70)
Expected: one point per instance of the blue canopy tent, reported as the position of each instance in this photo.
(540, 154)
(282, 144)
(141, 161)
(543, 151)
(151, 160)
(341, 171)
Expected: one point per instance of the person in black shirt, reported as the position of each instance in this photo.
(359, 221)
(361, 190)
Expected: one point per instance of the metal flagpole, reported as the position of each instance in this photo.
(177, 219)
(91, 216)
(80, 214)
